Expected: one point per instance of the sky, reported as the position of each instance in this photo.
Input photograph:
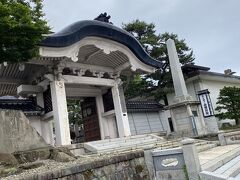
(210, 27)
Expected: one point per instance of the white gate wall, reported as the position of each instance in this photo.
(145, 122)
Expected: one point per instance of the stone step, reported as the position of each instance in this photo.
(163, 144)
(220, 160)
(120, 144)
(237, 176)
(121, 149)
(125, 140)
(228, 165)
(140, 142)
(205, 147)
(166, 147)
(200, 144)
(148, 145)
(130, 138)
(127, 144)
(230, 169)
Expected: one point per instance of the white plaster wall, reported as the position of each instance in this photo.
(199, 120)
(112, 127)
(164, 118)
(47, 131)
(211, 124)
(35, 122)
(214, 89)
(167, 114)
(213, 86)
(44, 128)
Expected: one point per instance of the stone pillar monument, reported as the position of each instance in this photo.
(181, 93)
(184, 122)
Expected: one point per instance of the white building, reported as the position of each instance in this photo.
(202, 83)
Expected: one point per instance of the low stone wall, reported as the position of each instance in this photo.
(180, 163)
(229, 138)
(125, 166)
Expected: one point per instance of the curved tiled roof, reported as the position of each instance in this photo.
(81, 29)
(146, 105)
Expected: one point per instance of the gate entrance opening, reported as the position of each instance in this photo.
(90, 119)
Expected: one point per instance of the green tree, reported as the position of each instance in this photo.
(154, 44)
(74, 111)
(21, 29)
(228, 104)
(134, 85)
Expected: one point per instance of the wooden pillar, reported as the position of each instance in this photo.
(60, 113)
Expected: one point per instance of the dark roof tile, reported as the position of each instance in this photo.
(27, 106)
(143, 106)
(81, 29)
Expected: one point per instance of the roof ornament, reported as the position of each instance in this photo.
(104, 18)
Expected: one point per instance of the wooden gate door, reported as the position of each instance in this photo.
(90, 119)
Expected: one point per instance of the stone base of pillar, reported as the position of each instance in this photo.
(187, 118)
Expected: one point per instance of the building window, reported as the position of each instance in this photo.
(108, 101)
(195, 114)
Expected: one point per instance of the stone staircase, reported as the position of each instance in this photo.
(223, 163)
(123, 144)
(203, 145)
(144, 142)
(230, 169)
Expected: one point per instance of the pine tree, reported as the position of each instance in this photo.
(160, 82)
(228, 104)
